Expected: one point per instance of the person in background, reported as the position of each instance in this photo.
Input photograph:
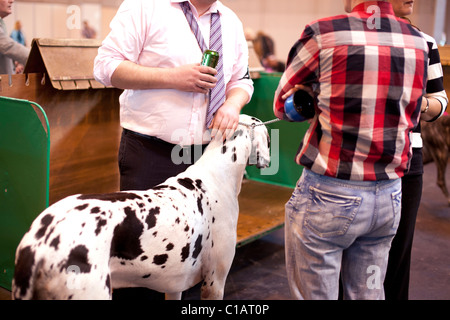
(265, 49)
(434, 104)
(368, 73)
(88, 32)
(17, 34)
(10, 50)
(154, 52)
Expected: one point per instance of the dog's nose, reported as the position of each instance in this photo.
(262, 163)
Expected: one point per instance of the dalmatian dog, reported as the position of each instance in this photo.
(168, 238)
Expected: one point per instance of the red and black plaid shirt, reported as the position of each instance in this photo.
(369, 70)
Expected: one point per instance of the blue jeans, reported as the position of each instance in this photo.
(338, 226)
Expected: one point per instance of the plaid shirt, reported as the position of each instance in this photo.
(370, 81)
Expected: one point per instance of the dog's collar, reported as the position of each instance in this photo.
(254, 124)
(259, 124)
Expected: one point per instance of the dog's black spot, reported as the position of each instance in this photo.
(49, 234)
(95, 210)
(199, 204)
(234, 155)
(255, 119)
(186, 229)
(146, 276)
(197, 247)
(164, 186)
(187, 183)
(236, 134)
(125, 243)
(185, 252)
(224, 149)
(23, 270)
(143, 258)
(100, 224)
(78, 256)
(82, 207)
(169, 246)
(45, 222)
(161, 186)
(213, 219)
(108, 283)
(112, 197)
(199, 184)
(160, 259)
(55, 243)
(151, 217)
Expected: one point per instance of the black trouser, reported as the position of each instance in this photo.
(396, 284)
(145, 162)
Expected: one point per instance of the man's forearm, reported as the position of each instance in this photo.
(189, 78)
(237, 97)
(129, 75)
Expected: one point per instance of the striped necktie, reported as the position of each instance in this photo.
(217, 94)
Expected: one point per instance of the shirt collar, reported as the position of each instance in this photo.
(215, 7)
(385, 7)
(2, 25)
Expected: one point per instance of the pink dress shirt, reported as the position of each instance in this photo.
(155, 33)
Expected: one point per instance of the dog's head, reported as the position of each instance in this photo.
(260, 141)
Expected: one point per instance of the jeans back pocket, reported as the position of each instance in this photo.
(330, 214)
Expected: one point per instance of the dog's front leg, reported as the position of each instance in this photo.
(173, 296)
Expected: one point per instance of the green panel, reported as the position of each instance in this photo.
(24, 175)
(285, 136)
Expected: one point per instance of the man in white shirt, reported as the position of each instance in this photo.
(152, 52)
(9, 49)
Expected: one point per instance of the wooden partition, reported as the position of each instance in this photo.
(83, 115)
(85, 134)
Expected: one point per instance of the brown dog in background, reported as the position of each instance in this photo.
(436, 147)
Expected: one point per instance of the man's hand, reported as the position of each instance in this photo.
(19, 67)
(226, 119)
(296, 88)
(194, 78)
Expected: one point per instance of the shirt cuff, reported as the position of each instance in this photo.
(103, 71)
(247, 86)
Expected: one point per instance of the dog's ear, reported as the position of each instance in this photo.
(260, 153)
